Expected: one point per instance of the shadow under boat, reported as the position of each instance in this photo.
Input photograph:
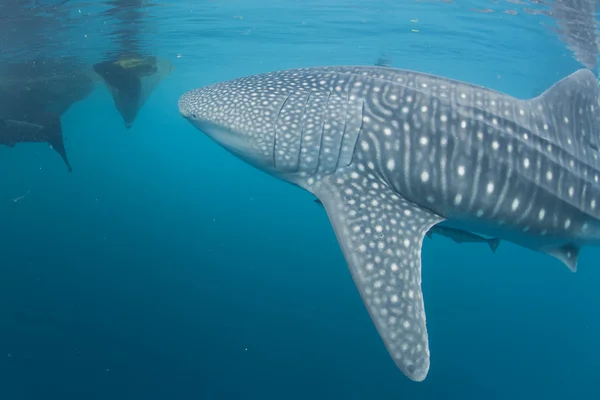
(131, 79)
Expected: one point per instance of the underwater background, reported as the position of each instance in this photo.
(162, 267)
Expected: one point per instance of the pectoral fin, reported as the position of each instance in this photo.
(381, 234)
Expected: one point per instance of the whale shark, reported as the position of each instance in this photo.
(456, 235)
(31, 91)
(391, 153)
(15, 131)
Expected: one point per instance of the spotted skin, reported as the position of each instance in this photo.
(391, 153)
(457, 235)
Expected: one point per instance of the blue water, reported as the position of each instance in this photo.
(162, 267)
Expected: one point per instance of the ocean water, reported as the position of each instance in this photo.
(163, 267)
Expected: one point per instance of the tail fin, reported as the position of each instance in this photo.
(53, 131)
(494, 243)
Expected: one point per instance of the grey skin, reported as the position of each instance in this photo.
(457, 235)
(13, 132)
(31, 91)
(578, 28)
(391, 153)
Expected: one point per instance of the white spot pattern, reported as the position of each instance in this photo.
(459, 149)
(391, 287)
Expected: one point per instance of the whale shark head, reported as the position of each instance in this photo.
(286, 123)
(240, 115)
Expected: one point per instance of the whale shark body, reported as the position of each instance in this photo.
(457, 235)
(391, 153)
(14, 131)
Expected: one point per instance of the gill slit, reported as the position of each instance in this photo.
(277, 130)
(337, 160)
(360, 130)
(302, 131)
(325, 115)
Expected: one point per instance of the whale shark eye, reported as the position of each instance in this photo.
(194, 115)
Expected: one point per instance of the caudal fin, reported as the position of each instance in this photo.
(53, 131)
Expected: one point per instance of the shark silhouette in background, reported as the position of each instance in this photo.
(41, 88)
(33, 97)
(13, 132)
(392, 153)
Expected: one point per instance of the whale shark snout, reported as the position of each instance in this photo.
(184, 104)
(245, 117)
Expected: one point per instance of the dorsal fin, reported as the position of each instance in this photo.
(572, 105)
